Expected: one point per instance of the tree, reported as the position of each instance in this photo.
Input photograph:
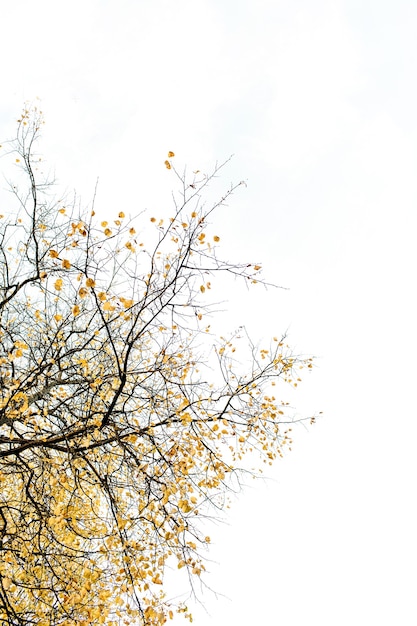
(121, 417)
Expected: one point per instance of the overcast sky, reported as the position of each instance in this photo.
(317, 100)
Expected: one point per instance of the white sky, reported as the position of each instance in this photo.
(317, 100)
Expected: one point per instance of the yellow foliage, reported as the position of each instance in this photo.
(121, 418)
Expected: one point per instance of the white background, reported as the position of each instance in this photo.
(317, 100)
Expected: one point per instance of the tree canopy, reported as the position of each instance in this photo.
(122, 418)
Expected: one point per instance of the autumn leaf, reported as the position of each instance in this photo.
(108, 306)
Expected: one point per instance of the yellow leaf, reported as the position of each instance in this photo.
(90, 282)
(202, 288)
(170, 154)
(107, 232)
(107, 306)
(58, 317)
(168, 165)
(121, 215)
(82, 292)
(58, 284)
(104, 594)
(102, 296)
(257, 267)
(53, 254)
(66, 264)
(184, 506)
(62, 211)
(75, 310)
(216, 238)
